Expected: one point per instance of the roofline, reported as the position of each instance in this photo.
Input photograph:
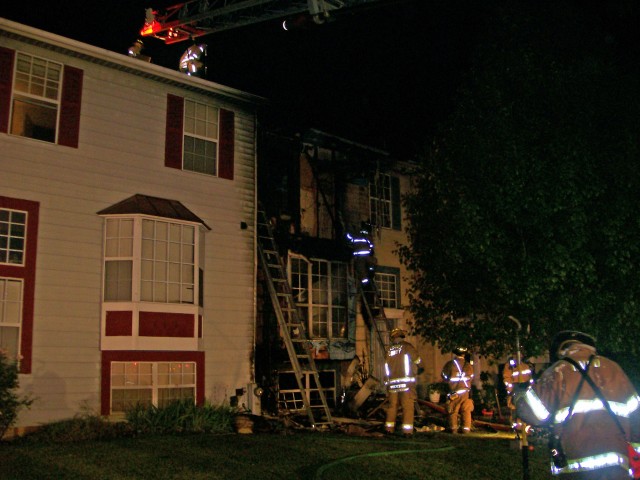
(121, 62)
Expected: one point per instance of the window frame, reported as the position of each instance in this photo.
(4, 313)
(380, 201)
(68, 117)
(136, 259)
(154, 384)
(188, 119)
(390, 297)
(33, 99)
(313, 302)
(174, 137)
(26, 273)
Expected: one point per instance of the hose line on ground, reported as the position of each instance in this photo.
(327, 466)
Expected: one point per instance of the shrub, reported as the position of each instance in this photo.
(181, 416)
(80, 428)
(10, 401)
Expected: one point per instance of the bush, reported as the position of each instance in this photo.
(10, 402)
(78, 429)
(181, 416)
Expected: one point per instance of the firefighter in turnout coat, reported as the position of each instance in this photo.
(515, 373)
(587, 440)
(401, 371)
(458, 373)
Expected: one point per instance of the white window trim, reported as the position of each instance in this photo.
(55, 103)
(3, 306)
(309, 305)
(393, 302)
(136, 258)
(155, 387)
(380, 185)
(26, 233)
(205, 138)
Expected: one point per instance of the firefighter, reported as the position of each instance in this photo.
(401, 371)
(459, 374)
(364, 265)
(363, 254)
(515, 373)
(587, 439)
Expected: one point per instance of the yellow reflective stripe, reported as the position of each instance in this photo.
(586, 406)
(407, 365)
(594, 462)
(402, 380)
(536, 405)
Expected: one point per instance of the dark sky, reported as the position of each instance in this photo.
(383, 75)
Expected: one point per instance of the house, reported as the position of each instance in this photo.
(317, 188)
(127, 216)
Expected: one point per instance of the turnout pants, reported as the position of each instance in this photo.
(463, 406)
(406, 400)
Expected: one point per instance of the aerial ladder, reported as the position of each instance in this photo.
(195, 18)
(292, 328)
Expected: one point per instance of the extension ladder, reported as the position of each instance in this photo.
(380, 327)
(292, 328)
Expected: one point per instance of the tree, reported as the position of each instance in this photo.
(527, 201)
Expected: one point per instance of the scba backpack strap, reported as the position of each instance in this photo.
(634, 456)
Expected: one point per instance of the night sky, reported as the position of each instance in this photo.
(382, 75)
(385, 74)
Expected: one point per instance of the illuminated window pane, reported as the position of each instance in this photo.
(200, 138)
(12, 236)
(35, 101)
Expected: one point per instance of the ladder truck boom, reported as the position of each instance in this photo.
(195, 18)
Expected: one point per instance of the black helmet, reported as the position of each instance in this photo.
(459, 351)
(564, 338)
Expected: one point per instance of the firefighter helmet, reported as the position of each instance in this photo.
(459, 351)
(564, 338)
(398, 332)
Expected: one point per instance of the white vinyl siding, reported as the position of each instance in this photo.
(120, 154)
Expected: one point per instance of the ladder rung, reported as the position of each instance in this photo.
(292, 328)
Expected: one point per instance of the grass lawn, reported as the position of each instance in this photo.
(295, 454)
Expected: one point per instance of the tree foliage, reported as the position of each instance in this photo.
(10, 401)
(527, 201)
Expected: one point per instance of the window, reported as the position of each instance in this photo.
(320, 291)
(10, 315)
(12, 236)
(151, 383)
(380, 201)
(384, 201)
(18, 248)
(290, 396)
(388, 290)
(166, 260)
(119, 263)
(36, 98)
(39, 98)
(199, 137)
